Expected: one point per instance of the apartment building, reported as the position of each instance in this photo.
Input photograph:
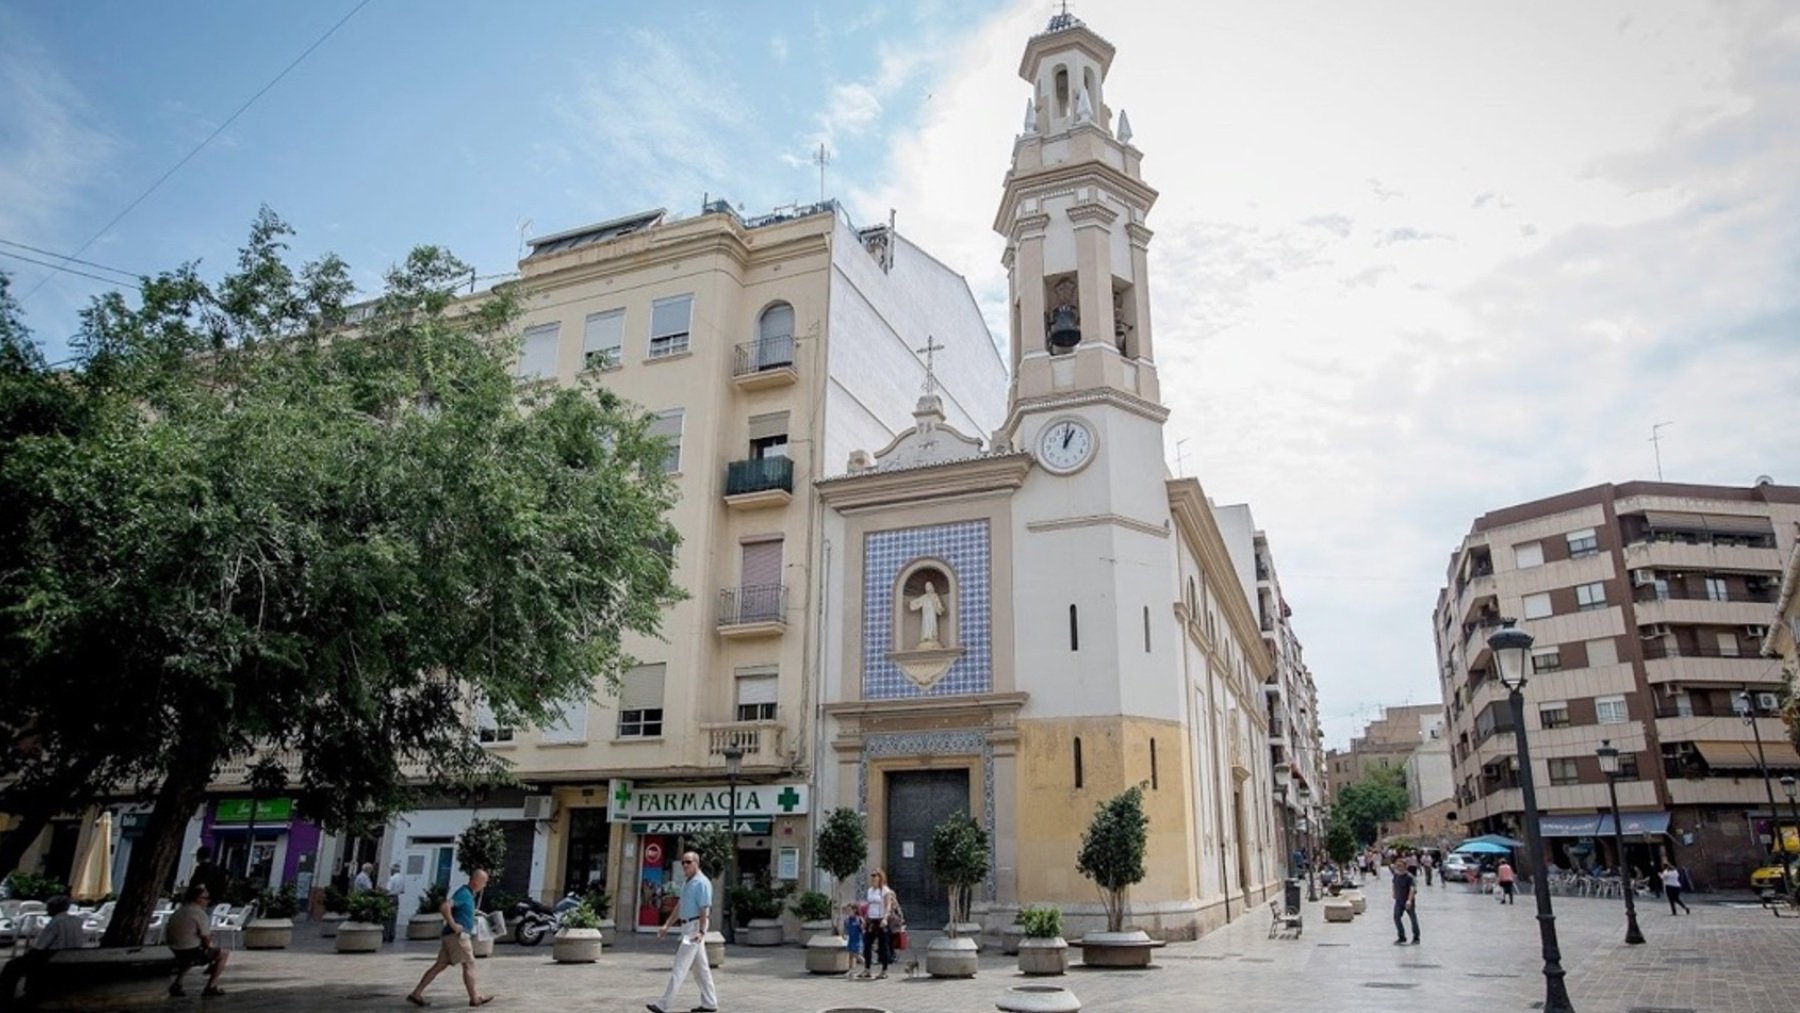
(1385, 744)
(1649, 603)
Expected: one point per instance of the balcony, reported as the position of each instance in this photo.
(235, 772)
(769, 362)
(1698, 609)
(1677, 555)
(759, 482)
(1712, 669)
(1660, 648)
(760, 741)
(750, 612)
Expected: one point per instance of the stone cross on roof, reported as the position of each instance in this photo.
(929, 351)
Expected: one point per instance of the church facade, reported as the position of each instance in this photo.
(1025, 623)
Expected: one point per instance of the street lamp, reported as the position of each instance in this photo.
(1312, 844)
(1512, 649)
(1609, 765)
(1749, 715)
(734, 759)
(1282, 776)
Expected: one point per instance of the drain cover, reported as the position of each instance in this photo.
(1389, 984)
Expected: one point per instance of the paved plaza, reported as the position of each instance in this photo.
(1477, 955)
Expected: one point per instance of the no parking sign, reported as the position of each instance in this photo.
(653, 854)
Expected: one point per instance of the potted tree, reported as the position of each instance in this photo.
(428, 921)
(337, 908)
(959, 859)
(758, 906)
(842, 848)
(1043, 950)
(1112, 855)
(814, 911)
(273, 926)
(601, 902)
(578, 941)
(369, 910)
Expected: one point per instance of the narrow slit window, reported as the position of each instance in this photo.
(1074, 631)
(1146, 629)
(1152, 764)
(1077, 761)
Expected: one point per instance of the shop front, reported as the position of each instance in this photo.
(261, 843)
(658, 823)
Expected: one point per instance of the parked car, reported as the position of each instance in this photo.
(1457, 865)
(1769, 876)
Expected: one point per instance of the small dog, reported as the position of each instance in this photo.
(912, 968)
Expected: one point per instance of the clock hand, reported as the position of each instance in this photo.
(1068, 434)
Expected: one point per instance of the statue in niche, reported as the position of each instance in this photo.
(929, 606)
(1063, 322)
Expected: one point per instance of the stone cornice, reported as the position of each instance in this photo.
(1092, 211)
(940, 708)
(1139, 235)
(1094, 520)
(884, 487)
(1058, 177)
(1194, 520)
(1111, 396)
(668, 245)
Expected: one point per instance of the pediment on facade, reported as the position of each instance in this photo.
(872, 487)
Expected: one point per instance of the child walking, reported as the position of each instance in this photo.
(853, 931)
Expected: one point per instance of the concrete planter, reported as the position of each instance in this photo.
(1117, 949)
(824, 927)
(1358, 903)
(576, 946)
(1338, 909)
(269, 934)
(420, 928)
(329, 922)
(1044, 956)
(359, 937)
(1010, 935)
(715, 949)
(609, 931)
(1039, 999)
(966, 930)
(827, 953)
(761, 932)
(952, 957)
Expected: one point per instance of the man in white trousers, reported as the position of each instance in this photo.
(694, 915)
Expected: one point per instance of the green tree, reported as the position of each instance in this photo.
(247, 528)
(1380, 797)
(713, 845)
(1340, 840)
(481, 845)
(1112, 851)
(843, 847)
(959, 858)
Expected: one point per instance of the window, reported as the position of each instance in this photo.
(603, 340)
(1610, 710)
(769, 435)
(1074, 631)
(487, 729)
(641, 702)
(1728, 645)
(1590, 596)
(775, 337)
(1628, 767)
(1077, 761)
(1537, 606)
(1146, 629)
(1565, 771)
(1553, 715)
(537, 358)
(1546, 659)
(756, 694)
(1715, 589)
(1583, 543)
(1528, 555)
(1602, 652)
(669, 322)
(572, 726)
(1152, 764)
(668, 426)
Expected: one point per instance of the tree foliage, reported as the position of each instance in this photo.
(713, 845)
(1380, 797)
(481, 845)
(1340, 840)
(1112, 851)
(959, 858)
(843, 845)
(243, 526)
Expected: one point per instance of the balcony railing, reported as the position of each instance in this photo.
(1663, 649)
(760, 741)
(763, 354)
(758, 603)
(1663, 592)
(761, 474)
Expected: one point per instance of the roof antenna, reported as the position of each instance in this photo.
(524, 227)
(821, 158)
(1656, 445)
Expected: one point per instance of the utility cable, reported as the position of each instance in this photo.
(59, 267)
(134, 276)
(208, 140)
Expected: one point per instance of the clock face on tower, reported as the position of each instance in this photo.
(1065, 445)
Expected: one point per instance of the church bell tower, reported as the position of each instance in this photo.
(1073, 216)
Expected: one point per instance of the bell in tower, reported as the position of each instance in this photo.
(1063, 330)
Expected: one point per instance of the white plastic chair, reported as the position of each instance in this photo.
(220, 912)
(230, 934)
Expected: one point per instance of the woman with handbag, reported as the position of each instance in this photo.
(878, 942)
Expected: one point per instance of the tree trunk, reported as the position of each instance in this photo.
(154, 855)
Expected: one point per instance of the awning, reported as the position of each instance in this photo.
(1635, 824)
(1567, 826)
(1724, 524)
(1742, 755)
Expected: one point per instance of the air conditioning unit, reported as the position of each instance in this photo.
(540, 807)
(1756, 632)
(1641, 578)
(1767, 701)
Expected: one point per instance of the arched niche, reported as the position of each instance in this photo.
(923, 659)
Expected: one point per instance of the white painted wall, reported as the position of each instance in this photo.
(405, 828)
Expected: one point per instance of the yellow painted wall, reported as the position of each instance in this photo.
(1053, 813)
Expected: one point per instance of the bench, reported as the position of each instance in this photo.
(1283, 924)
(103, 978)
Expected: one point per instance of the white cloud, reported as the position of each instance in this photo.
(1409, 267)
(778, 48)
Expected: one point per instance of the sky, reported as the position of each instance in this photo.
(1413, 261)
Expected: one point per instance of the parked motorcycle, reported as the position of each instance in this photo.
(532, 921)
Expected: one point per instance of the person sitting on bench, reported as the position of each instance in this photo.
(63, 932)
(189, 938)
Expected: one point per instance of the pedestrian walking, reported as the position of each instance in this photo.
(396, 885)
(853, 933)
(1506, 878)
(1403, 904)
(693, 914)
(1425, 864)
(878, 939)
(455, 945)
(1671, 883)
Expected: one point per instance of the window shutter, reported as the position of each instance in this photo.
(572, 727)
(762, 563)
(603, 331)
(668, 426)
(642, 688)
(764, 426)
(757, 689)
(538, 358)
(670, 316)
(776, 322)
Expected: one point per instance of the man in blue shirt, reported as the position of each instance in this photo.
(455, 945)
(694, 915)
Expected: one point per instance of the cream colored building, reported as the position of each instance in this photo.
(767, 347)
(1023, 627)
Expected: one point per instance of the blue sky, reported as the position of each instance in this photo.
(1414, 259)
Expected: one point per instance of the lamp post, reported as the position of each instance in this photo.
(1787, 785)
(1511, 647)
(1312, 844)
(1748, 713)
(1282, 776)
(734, 759)
(1609, 765)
